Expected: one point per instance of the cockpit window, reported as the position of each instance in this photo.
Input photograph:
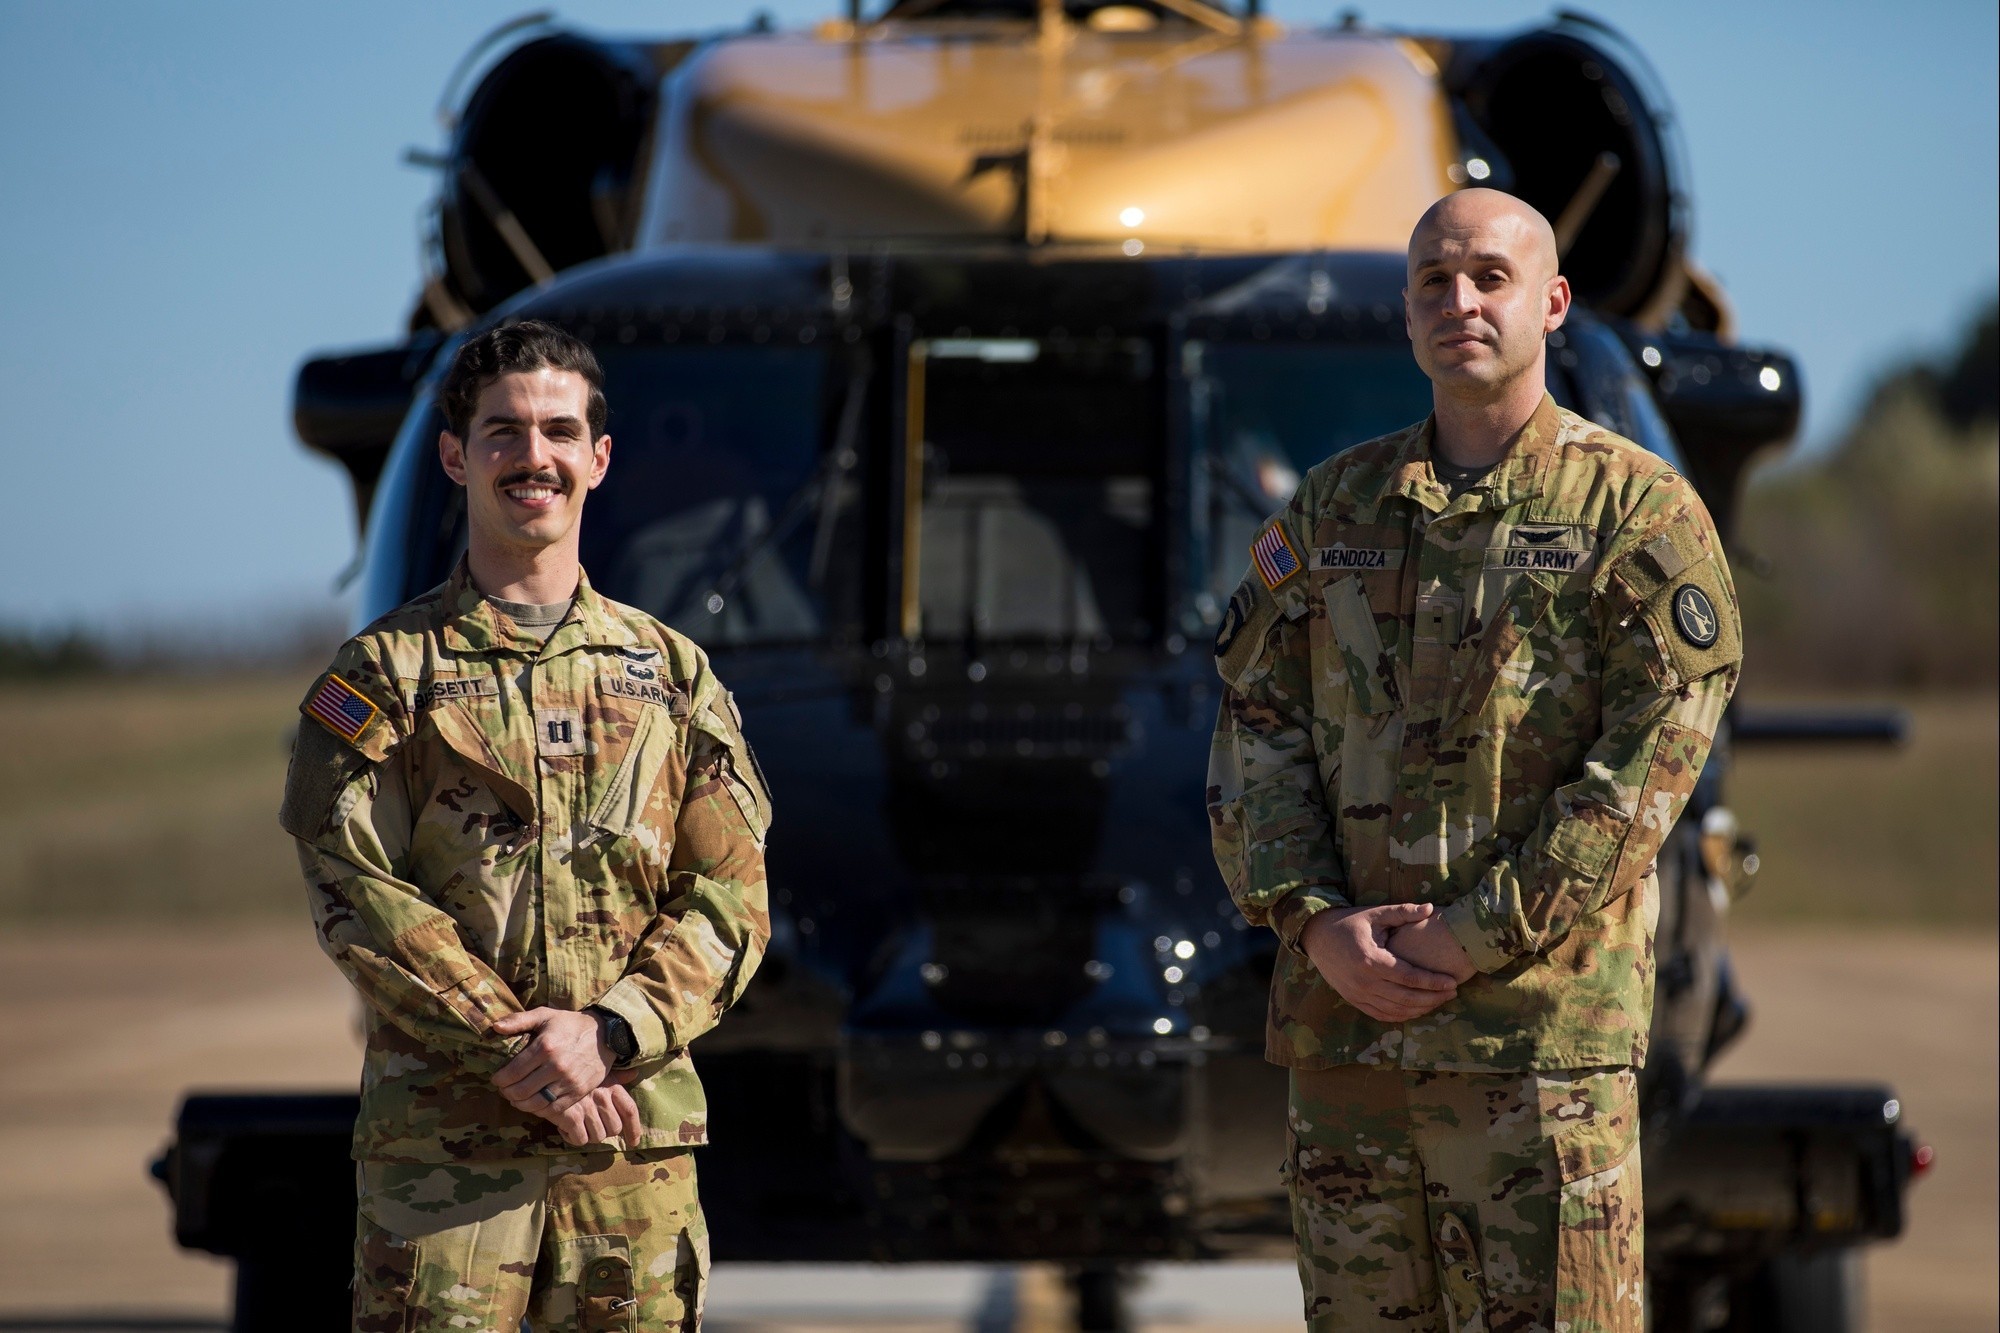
(711, 516)
(1039, 472)
(725, 513)
(1264, 413)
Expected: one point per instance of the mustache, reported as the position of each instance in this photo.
(542, 478)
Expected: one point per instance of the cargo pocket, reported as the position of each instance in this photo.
(691, 1279)
(605, 1299)
(1455, 1234)
(385, 1272)
(1600, 1241)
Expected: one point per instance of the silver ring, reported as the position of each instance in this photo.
(549, 1096)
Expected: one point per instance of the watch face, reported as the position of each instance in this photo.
(619, 1033)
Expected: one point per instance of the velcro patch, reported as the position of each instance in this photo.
(341, 709)
(1273, 555)
(453, 687)
(1693, 624)
(1668, 556)
(1355, 558)
(1239, 642)
(645, 691)
(559, 731)
(1545, 534)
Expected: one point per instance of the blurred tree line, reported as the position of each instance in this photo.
(40, 657)
(1877, 564)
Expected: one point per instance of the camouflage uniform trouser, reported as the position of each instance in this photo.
(1449, 1203)
(580, 1242)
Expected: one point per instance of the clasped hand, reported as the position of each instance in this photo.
(1393, 963)
(564, 1075)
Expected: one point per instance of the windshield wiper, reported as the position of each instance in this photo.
(822, 487)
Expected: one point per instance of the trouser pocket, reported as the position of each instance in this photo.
(1461, 1280)
(385, 1272)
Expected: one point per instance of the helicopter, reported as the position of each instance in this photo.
(956, 352)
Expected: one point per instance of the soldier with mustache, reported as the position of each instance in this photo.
(533, 839)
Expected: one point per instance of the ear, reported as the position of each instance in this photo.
(451, 454)
(1409, 328)
(600, 460)
(1558, 304)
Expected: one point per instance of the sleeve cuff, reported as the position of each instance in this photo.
(1479, 933)
(628, 1001)
(1291, 912)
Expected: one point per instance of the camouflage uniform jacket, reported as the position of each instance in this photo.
(489, 823)
(1498, 704)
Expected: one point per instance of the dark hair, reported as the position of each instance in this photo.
(528, 345)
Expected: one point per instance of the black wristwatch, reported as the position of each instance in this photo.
(618, 1034)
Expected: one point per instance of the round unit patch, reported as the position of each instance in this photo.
(1694, 616)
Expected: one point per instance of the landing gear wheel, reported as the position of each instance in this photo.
(1100, 1300)
(1799, 1293)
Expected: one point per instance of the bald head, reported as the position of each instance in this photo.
(1487, 216)
(1484, 292)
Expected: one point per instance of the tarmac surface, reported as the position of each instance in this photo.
(106, 1031)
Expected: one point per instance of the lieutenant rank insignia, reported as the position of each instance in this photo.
(342, 708)
(1274, 557)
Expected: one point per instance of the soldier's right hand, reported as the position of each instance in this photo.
(602, 1116)
(1350, 948)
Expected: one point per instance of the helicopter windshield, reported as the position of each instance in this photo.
(1264, 413)
(714, 520)
(720, 515)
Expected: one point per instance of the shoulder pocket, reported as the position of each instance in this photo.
(322, 778)
(1693, 620)
(1240, 641)
(1676, 585)
(740, 772)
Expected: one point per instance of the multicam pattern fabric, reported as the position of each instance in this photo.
(1484, 703)
(521, 824)
(1434, 1202)
(617, 1240)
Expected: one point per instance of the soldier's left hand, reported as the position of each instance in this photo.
(1430, 944)
(565, 1061)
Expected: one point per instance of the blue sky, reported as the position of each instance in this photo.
(195, 196)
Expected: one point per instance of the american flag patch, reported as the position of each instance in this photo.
(1274, 557)
(342, 708)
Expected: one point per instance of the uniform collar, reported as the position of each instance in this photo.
(472, 625)
(1521, 473)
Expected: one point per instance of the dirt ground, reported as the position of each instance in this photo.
(107, 1031)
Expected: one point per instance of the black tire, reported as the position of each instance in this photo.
(1100, 1300)
(1799, 1293)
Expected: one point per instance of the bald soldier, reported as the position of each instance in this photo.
(1470, 681)
(533, 840)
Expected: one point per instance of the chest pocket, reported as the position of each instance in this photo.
(620, 808)
(1526, 605)
(468, 740)
(1373, 674)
